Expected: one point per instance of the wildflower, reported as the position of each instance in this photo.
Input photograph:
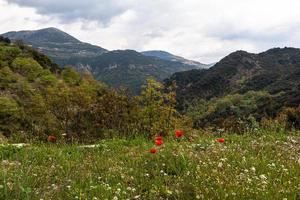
(179, 133)
(153, 150)
(158, 138)
(263, 177)
(220, 165)
(169, 192)
(51, 138)
(221, 140)
(158, 142)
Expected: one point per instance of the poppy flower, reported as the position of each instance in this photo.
(221, 140)
(158, 142)
(51, 138)
(153, 150)
(179, 133)
(158, 138)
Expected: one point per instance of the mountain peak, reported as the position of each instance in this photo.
(50, 34)
(58, 45)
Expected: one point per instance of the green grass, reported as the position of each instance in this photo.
(244, 167)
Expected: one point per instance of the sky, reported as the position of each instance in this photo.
(202, 30)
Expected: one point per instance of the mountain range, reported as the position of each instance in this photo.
(126, 68)
(276, 71)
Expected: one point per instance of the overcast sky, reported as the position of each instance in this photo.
(203, 30)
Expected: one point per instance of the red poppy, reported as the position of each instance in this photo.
(51, 138)
(179, 133)
(153, 150)
(158, 138)
(158, 142)
(221, 140)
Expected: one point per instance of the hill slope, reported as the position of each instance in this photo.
(276, 71)
(129, 68)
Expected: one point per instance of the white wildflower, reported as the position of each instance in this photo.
(169, 192)
(263, 177)
(220, 165)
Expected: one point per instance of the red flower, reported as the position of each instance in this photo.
(221, 140)
(51, 138)
(179, 133)
(158, 142)
(153, 150)
(158, 138)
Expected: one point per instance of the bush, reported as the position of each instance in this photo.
(10, 115)
(27, 67)
(233, 112)
(292, 117)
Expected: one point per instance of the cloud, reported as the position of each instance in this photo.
(205, 30)
(68, 11)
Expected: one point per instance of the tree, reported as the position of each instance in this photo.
(10, 115)
(27, 67)
(7, 77)
(70, 76)
(157, 108)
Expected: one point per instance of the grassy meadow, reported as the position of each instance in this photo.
(243, 167)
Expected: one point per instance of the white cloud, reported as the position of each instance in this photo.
(205, 30)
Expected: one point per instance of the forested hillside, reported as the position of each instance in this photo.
(40, 99)
(241, 85)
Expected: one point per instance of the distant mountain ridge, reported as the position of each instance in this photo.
(276, 71)
(117, 68)
(170, 57)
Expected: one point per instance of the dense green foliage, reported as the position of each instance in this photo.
(229, 111)
(38, 99)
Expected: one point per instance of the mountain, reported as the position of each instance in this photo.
(170, 57)
(57, 44)
(117, 68)
(129, 68)
(276, 71)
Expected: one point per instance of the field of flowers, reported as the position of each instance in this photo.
(204, 167)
